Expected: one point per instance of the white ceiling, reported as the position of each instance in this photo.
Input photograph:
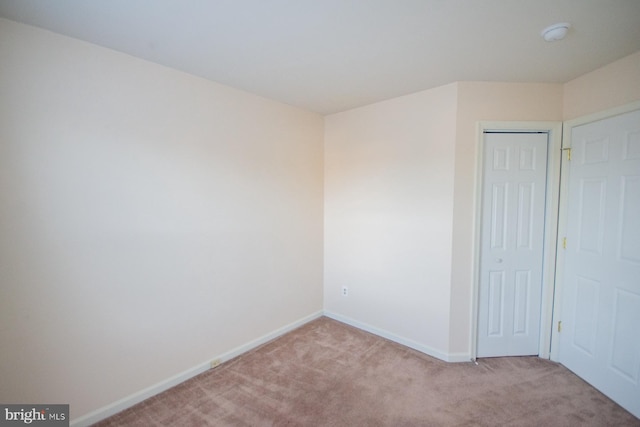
(332, 55)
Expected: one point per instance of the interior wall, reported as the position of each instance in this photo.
(389, 170)
(611, 86)
(483, 101)
(150, 220)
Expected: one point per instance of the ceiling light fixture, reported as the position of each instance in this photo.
(555, 32)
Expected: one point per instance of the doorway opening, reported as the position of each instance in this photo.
(517, 188)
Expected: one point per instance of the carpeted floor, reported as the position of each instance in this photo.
(330, 374)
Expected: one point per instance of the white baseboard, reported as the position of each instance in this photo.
(135, 398)
(459, 357)
(127, 402)
(447, 357)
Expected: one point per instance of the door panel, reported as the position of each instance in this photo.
(513, 206)
(600, 338)
(521, 303)
(525, 215)
(496, 306)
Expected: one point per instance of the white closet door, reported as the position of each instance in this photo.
(513, 213)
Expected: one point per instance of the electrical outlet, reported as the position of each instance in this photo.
(215, 362)
(345, 291)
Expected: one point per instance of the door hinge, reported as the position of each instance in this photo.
(560, 326)
(564, 243)
(568, 150)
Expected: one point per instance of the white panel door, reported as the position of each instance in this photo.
(600, 337)
(511, 251)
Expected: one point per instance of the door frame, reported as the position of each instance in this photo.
(554, 129)
(563, 210)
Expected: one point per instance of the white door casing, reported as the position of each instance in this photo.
(512, 243)
(600, 298)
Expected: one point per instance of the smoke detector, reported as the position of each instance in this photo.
(555, 32)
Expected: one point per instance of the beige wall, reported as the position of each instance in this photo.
(611, 86)
(388, 216)
(150, 220)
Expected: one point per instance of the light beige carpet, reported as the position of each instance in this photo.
(330, 374)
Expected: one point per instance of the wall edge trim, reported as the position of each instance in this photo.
(430, 351)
